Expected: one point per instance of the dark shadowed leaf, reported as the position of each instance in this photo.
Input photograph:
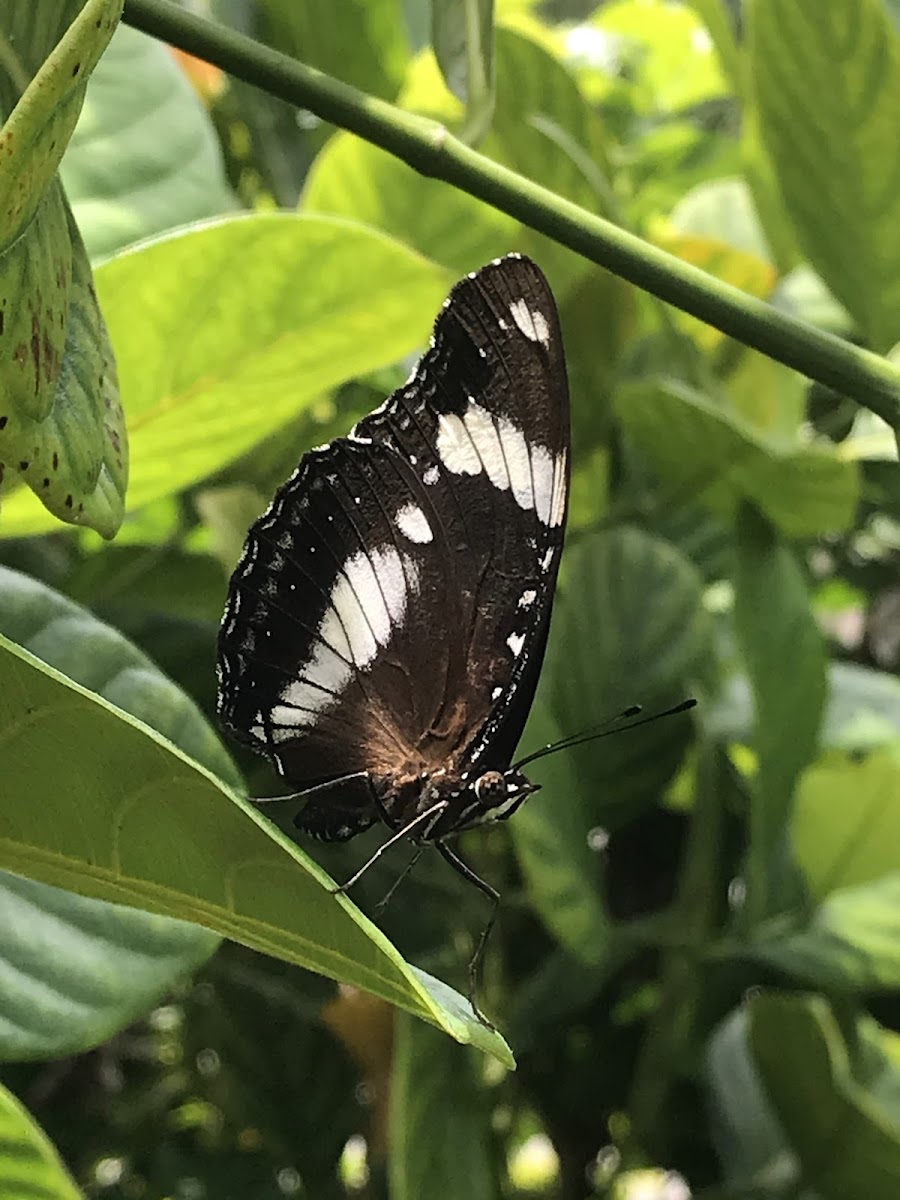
(713, 454)
(747, 1136)
(833, 1101)
(551, 835)
(629, 628)
(851, 942)
(439, 1124)
(785, 659)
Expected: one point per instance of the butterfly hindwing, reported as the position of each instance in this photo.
(390, 611)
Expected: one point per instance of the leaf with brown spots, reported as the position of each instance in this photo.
(61, 420)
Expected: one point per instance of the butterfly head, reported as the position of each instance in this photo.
(487, 797)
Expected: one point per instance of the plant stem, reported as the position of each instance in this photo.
(429, 148)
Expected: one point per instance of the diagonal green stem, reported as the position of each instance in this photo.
(430, 149)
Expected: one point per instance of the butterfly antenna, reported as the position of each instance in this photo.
(604, 730)
(494, 896)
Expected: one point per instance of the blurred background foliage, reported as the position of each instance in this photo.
(697, 962)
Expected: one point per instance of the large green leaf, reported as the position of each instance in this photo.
(61, 426)
(29, 1166)
(144, 155)
(102, 804)
(629, 628)
(439, 1126)
(845, 827)
(785, 659)
(827, 81)
(707, 450)
(829, 1104)
(221, 357)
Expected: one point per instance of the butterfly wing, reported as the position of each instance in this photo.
(390, 611)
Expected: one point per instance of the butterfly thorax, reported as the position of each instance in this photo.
(455, 802)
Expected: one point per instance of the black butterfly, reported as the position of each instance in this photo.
(386, 624)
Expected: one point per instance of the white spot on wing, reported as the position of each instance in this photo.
(531, 322)
(516, 641)
(413, 524)
(527, 598)
(479, 441)
(431, 475)
(558, 501)
(455, 446)
(367, 602)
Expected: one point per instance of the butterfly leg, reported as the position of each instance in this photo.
(494, 896)
(430, 815)
(384, 901)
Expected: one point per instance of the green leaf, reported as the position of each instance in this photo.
(354, 179)
(74, 971)
(139, 823)
(629, 627)
(667, 52)
(723, 209)
(372, 59)
(706, 450)
(851, 943)
(61, 427)
(747, 1137)
(542, 125)
(223, 358)
(30, 1168)
(847, 1141)
(845, 827)
(128, 177)
(551, 836)
(785, 659)
(717, 18)
(827, 82)
(462, 34)
(438, 1119)
(863, 710)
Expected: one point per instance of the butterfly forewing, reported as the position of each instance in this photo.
(390, 611)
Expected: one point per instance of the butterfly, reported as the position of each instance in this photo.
(386, 624)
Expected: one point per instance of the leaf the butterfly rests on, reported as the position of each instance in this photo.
(388, 618)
